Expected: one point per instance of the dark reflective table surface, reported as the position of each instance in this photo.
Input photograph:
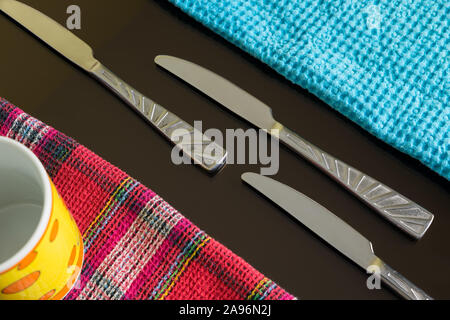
(126, 36)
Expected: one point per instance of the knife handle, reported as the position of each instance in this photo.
(396, 208)
(400, 284)
(199, 147)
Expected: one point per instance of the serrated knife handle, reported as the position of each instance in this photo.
(396, 208)
(199, 147)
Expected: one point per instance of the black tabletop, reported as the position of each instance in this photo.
(126, 36)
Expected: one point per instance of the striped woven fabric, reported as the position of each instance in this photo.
(136, 245)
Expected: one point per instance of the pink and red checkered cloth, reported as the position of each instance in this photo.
(136, 245)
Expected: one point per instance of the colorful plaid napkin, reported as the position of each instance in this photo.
(136, 245)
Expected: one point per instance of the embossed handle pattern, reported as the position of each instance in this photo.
(401, 285)
(200, 148)
(398, 209)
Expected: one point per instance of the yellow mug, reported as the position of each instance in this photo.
(41, 250)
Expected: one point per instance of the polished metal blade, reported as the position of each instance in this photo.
(220, 89)
(317, 218)
(51, 32)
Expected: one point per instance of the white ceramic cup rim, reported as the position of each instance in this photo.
(46, 209)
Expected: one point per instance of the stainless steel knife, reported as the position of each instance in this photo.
(396, 208)
(77, 51)
(334, 231)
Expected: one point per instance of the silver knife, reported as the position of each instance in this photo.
(334, 231)
(77, 51)
(396, 208)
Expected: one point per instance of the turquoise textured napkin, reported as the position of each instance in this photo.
(384, 64)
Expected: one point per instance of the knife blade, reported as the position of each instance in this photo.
(333, 230)
(396, 208)
(200, 148)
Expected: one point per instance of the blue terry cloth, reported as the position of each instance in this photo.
(382, 63)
